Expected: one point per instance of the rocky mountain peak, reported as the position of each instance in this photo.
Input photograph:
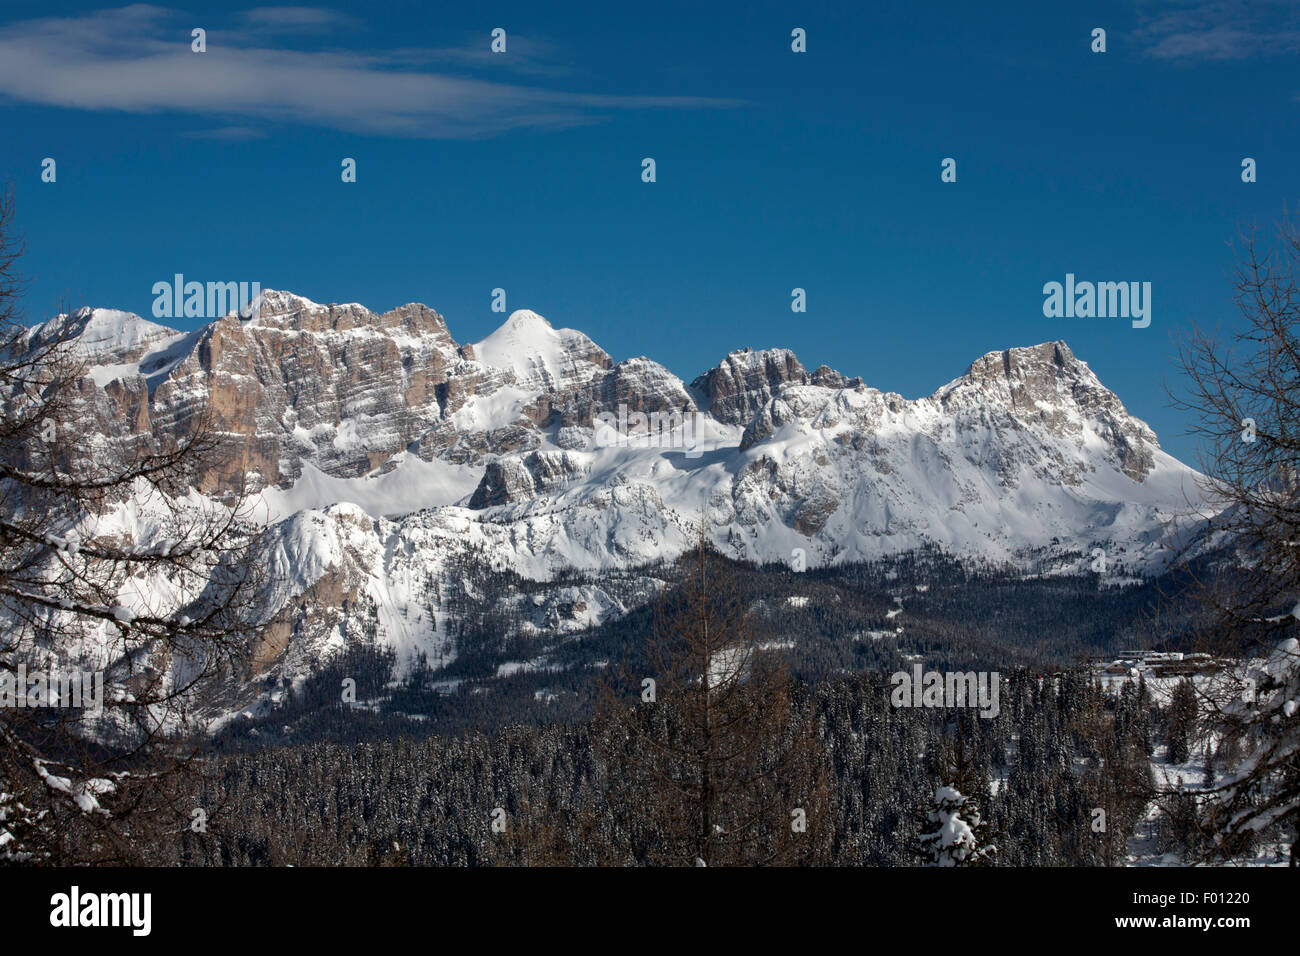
(522, 320)
(541, 356)
(1047, 386)
(104, 335)
(1030, 365)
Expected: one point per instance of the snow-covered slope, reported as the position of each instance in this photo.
(106, 335)
(539, 356)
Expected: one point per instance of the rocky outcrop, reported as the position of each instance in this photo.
(746, 380)
(509, 480)
(638, 384)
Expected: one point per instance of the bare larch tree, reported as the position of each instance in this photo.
(157, 616)
(1245, 399)
(713, 754)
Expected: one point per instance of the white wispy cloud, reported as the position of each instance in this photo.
(1220, 29)
(296, 18)
(137, 59)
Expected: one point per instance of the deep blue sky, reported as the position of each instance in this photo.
(819, 170)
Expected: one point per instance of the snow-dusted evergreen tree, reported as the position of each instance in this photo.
(1262, 791)
(1180, 721)
(958, 837)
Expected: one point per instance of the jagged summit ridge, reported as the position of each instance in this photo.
(333, 403)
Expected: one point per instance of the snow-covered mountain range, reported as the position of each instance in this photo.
(386, 455)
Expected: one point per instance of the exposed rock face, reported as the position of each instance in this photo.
(746, 380)
(337, 386)
(507, 480)
(1046, 385)
(639, 384)
(829, 378)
